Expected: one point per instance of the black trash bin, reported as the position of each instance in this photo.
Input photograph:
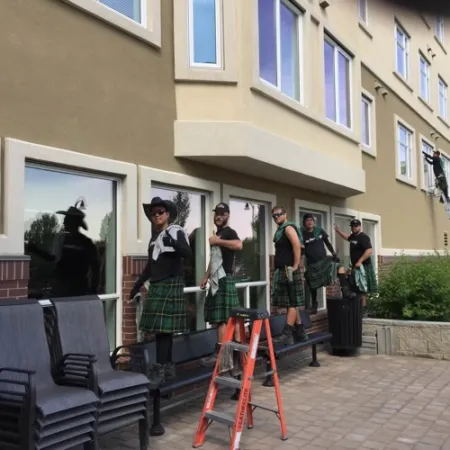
(345, 323)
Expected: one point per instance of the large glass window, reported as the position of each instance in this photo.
(402, 51)
(342, 247)
(440, 28)
(363, 13)
(428, 176)
(71, 255)
(424, 79)
(191, 216)
(279, 45)
(404, 152)
(366, 119)
(129, 8)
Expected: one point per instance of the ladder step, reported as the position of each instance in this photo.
(262, 375)
(220, 417)
(266, 408)
(229, 382)
(240, 347)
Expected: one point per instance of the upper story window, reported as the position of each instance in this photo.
(133, 9)
(205, 33)
(405, 139)
(366, 118)
(363, 11)
(279, 24)
(402, 49)
(443, 99)
(338, 96)
(440, 28)
(424, 79)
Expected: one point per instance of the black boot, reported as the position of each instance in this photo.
(210, 361)
(156, 376)
(237, 364)
(169, 372)
(300, 334)
(286, 337)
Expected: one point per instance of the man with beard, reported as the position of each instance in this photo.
(222, 297)
(320, 269)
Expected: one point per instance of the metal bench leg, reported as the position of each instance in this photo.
(314, 362)
(157, 429)
(268, 382)
(237, 392)
(144, 428)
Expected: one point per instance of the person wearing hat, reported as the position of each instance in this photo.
(222, 297)
(164, 312)
(321, 270)
(360, 257)
(77, 267)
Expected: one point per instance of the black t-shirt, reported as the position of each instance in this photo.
(314, 246)
(359, 243)
(227, 234)
(284, 254)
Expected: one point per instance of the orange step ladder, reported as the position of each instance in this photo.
(245, 405)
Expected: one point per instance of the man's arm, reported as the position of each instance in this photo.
(428, 158)
(341, 233)
(235, 244)
(292, 235)
(368, 250)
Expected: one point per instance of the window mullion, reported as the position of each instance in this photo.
(336, 84)
(278, 37)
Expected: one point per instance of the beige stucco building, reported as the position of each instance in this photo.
(326, 110)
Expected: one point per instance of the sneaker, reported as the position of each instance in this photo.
(156, 376)
(169, 372)
(286, 337)
(300, 334)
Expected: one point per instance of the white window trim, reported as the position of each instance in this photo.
(229, 192)
(446, 156)
(341, 211)
(445, 116)
(300, 17)
(218, 36)
(338, 49)
(372, 148)
(427, 98)
(398, 26)
(147, 31)
(425, 188)
(413, 180)
(365, 19)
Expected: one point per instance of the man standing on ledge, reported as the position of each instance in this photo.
(288, 293)
(360, 258)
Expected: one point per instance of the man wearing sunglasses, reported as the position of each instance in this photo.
(288, 293)
(224, 299)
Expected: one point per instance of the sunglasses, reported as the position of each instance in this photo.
(159, 212)
(276, 215)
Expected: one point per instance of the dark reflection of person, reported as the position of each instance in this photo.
(75, 257)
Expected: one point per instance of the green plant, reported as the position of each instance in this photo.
(414, 290)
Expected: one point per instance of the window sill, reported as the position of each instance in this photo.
(440, 44)
(152, 37)
(444, 121)
(425, 103)
(402, 79)
(276, 96)
(368, 150)
(206, 75)
(365, 28)
(406, 181)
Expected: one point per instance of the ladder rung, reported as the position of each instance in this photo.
(229, 382)
(263, 374)
(220, 417)
(240, 347)
(266, 408)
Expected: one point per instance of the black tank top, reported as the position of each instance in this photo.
(284, 255)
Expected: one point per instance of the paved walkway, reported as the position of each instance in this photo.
(368, 402)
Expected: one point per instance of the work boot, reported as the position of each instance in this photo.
(169, 372)
(300, 334)
(210, 361)
(156, 376)
(286, 337)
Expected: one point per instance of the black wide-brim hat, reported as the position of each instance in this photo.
(76, 214)
(169, 206)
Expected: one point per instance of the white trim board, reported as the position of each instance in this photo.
(410, 252)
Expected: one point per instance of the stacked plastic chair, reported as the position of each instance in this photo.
(35, 412)
(79, 328)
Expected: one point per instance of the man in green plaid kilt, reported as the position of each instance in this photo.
(360, 256)
(164, 312)
(287, 289)
(222, 297)
(321, 271)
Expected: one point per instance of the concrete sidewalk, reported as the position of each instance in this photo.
(368, 402)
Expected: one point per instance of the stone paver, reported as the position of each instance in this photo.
(368, 402)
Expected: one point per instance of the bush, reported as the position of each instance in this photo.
(414, 290)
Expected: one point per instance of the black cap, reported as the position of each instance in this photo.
(307, 216)
(221, 208)
(355, 223)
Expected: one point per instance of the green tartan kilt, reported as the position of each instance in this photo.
(318, 274)
(218, 307)
(165, 308)
(371, 279)
(280, 290)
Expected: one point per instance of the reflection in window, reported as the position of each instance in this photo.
(191, 216)
(129, 8)
(66, 258)
(342, 247)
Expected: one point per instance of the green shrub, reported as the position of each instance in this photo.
(414, 290)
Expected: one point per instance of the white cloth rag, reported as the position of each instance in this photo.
(158, 245)
(216, 269)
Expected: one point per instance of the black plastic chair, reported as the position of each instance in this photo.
(35, 412)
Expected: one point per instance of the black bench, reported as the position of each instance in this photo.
(276, 328)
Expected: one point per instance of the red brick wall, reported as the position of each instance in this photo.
(14, 278)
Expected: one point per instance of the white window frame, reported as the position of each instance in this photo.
(443, 114)
(363, 11)
(143, 12)
(18, 153)
(369, 99)
(427, 96)
(148, 31)
(446, 157)
(218, 36)
(424, 185)
(405, 47)
(300, 13)
(413, 179)
(232, 192)
(440, 29)
(339, 50)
